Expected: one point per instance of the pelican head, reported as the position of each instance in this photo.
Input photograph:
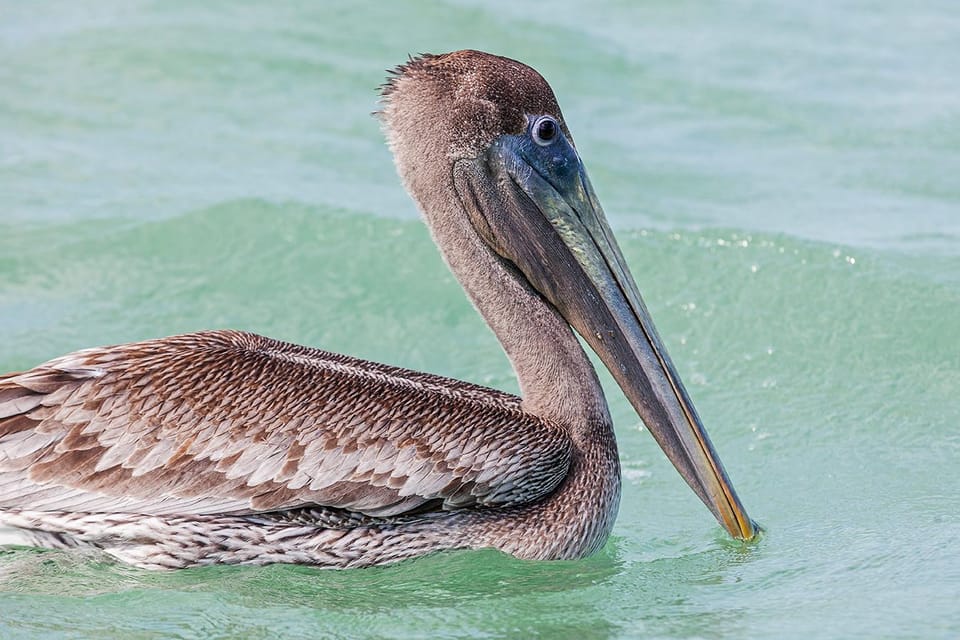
(481, 144)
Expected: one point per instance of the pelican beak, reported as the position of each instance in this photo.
(544, 218)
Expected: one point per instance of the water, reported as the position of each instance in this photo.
(783, 180)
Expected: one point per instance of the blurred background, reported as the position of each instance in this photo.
(783, 179)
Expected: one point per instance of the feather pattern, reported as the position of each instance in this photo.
(226, 422)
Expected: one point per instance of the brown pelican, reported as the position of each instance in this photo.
(228, 447)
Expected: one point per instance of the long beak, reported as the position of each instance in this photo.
(552, 227)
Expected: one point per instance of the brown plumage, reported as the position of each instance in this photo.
(253, 425)
(227, 447)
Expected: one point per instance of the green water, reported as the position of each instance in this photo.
(783, 178)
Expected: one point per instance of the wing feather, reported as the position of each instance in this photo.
(232, 422)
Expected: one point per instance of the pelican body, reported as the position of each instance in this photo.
(228, 447)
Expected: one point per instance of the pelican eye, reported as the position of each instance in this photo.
(545, 130)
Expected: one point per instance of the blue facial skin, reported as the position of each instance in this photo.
(554, 160)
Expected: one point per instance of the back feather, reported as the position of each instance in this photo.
(225, 422)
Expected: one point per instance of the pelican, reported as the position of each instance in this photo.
(225, 447)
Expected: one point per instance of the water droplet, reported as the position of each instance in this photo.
(635, 476)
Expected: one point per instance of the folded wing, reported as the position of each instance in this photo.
(231, 422)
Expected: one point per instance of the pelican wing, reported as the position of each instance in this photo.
(231, 422)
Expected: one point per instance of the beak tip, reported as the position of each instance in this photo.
(747, 531)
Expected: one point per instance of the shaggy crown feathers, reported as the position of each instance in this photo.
(461, 101)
